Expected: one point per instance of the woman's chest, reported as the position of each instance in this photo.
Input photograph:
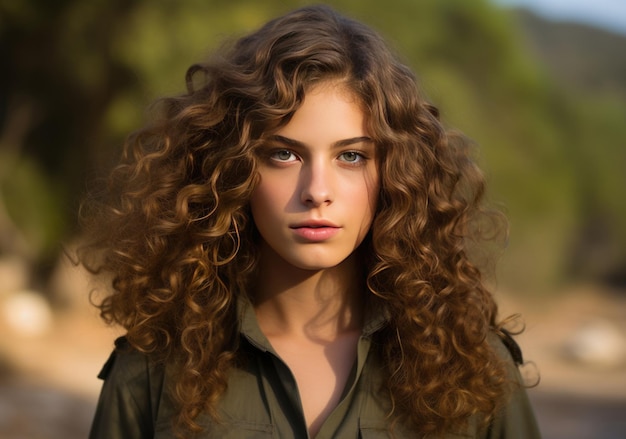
(323, 372)
(263, 401)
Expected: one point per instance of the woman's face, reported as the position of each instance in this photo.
(319, 183)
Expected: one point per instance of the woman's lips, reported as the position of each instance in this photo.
(315, 231)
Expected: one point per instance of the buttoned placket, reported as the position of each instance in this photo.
(270, 364)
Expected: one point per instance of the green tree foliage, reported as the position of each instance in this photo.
(78, 76)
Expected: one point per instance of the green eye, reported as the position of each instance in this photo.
(283, 155)
(351, 156)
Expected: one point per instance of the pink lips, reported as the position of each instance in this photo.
(315, 230)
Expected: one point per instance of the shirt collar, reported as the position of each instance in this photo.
(249, 325)
(376, 316)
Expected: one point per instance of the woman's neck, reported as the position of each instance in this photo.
(317, 305)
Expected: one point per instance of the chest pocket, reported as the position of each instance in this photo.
(369, 430)
(241, 418)
(379, 431)
(227, 430)
(382, 430)
(241, 430)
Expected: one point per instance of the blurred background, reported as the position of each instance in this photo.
(539, 85)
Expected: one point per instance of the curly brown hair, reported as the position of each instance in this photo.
(173, 230)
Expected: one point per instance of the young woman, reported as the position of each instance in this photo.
(288, 252)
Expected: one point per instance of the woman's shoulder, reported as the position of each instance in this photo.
(516, 418)
(505, 346)
(127, 365)
(131, 395)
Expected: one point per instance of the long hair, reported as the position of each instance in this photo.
(174, 234)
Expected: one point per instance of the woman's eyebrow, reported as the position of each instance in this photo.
(338, 144)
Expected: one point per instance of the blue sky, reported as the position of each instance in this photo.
(610, 14)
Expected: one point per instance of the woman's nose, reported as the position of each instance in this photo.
(316, 184)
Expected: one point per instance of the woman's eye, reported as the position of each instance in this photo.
(283, 155)
(351, 156)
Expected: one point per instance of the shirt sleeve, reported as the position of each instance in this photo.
(124, 408)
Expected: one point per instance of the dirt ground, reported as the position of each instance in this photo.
(574, 399)
(48, 384)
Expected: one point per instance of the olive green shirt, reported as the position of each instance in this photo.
(262, 399)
